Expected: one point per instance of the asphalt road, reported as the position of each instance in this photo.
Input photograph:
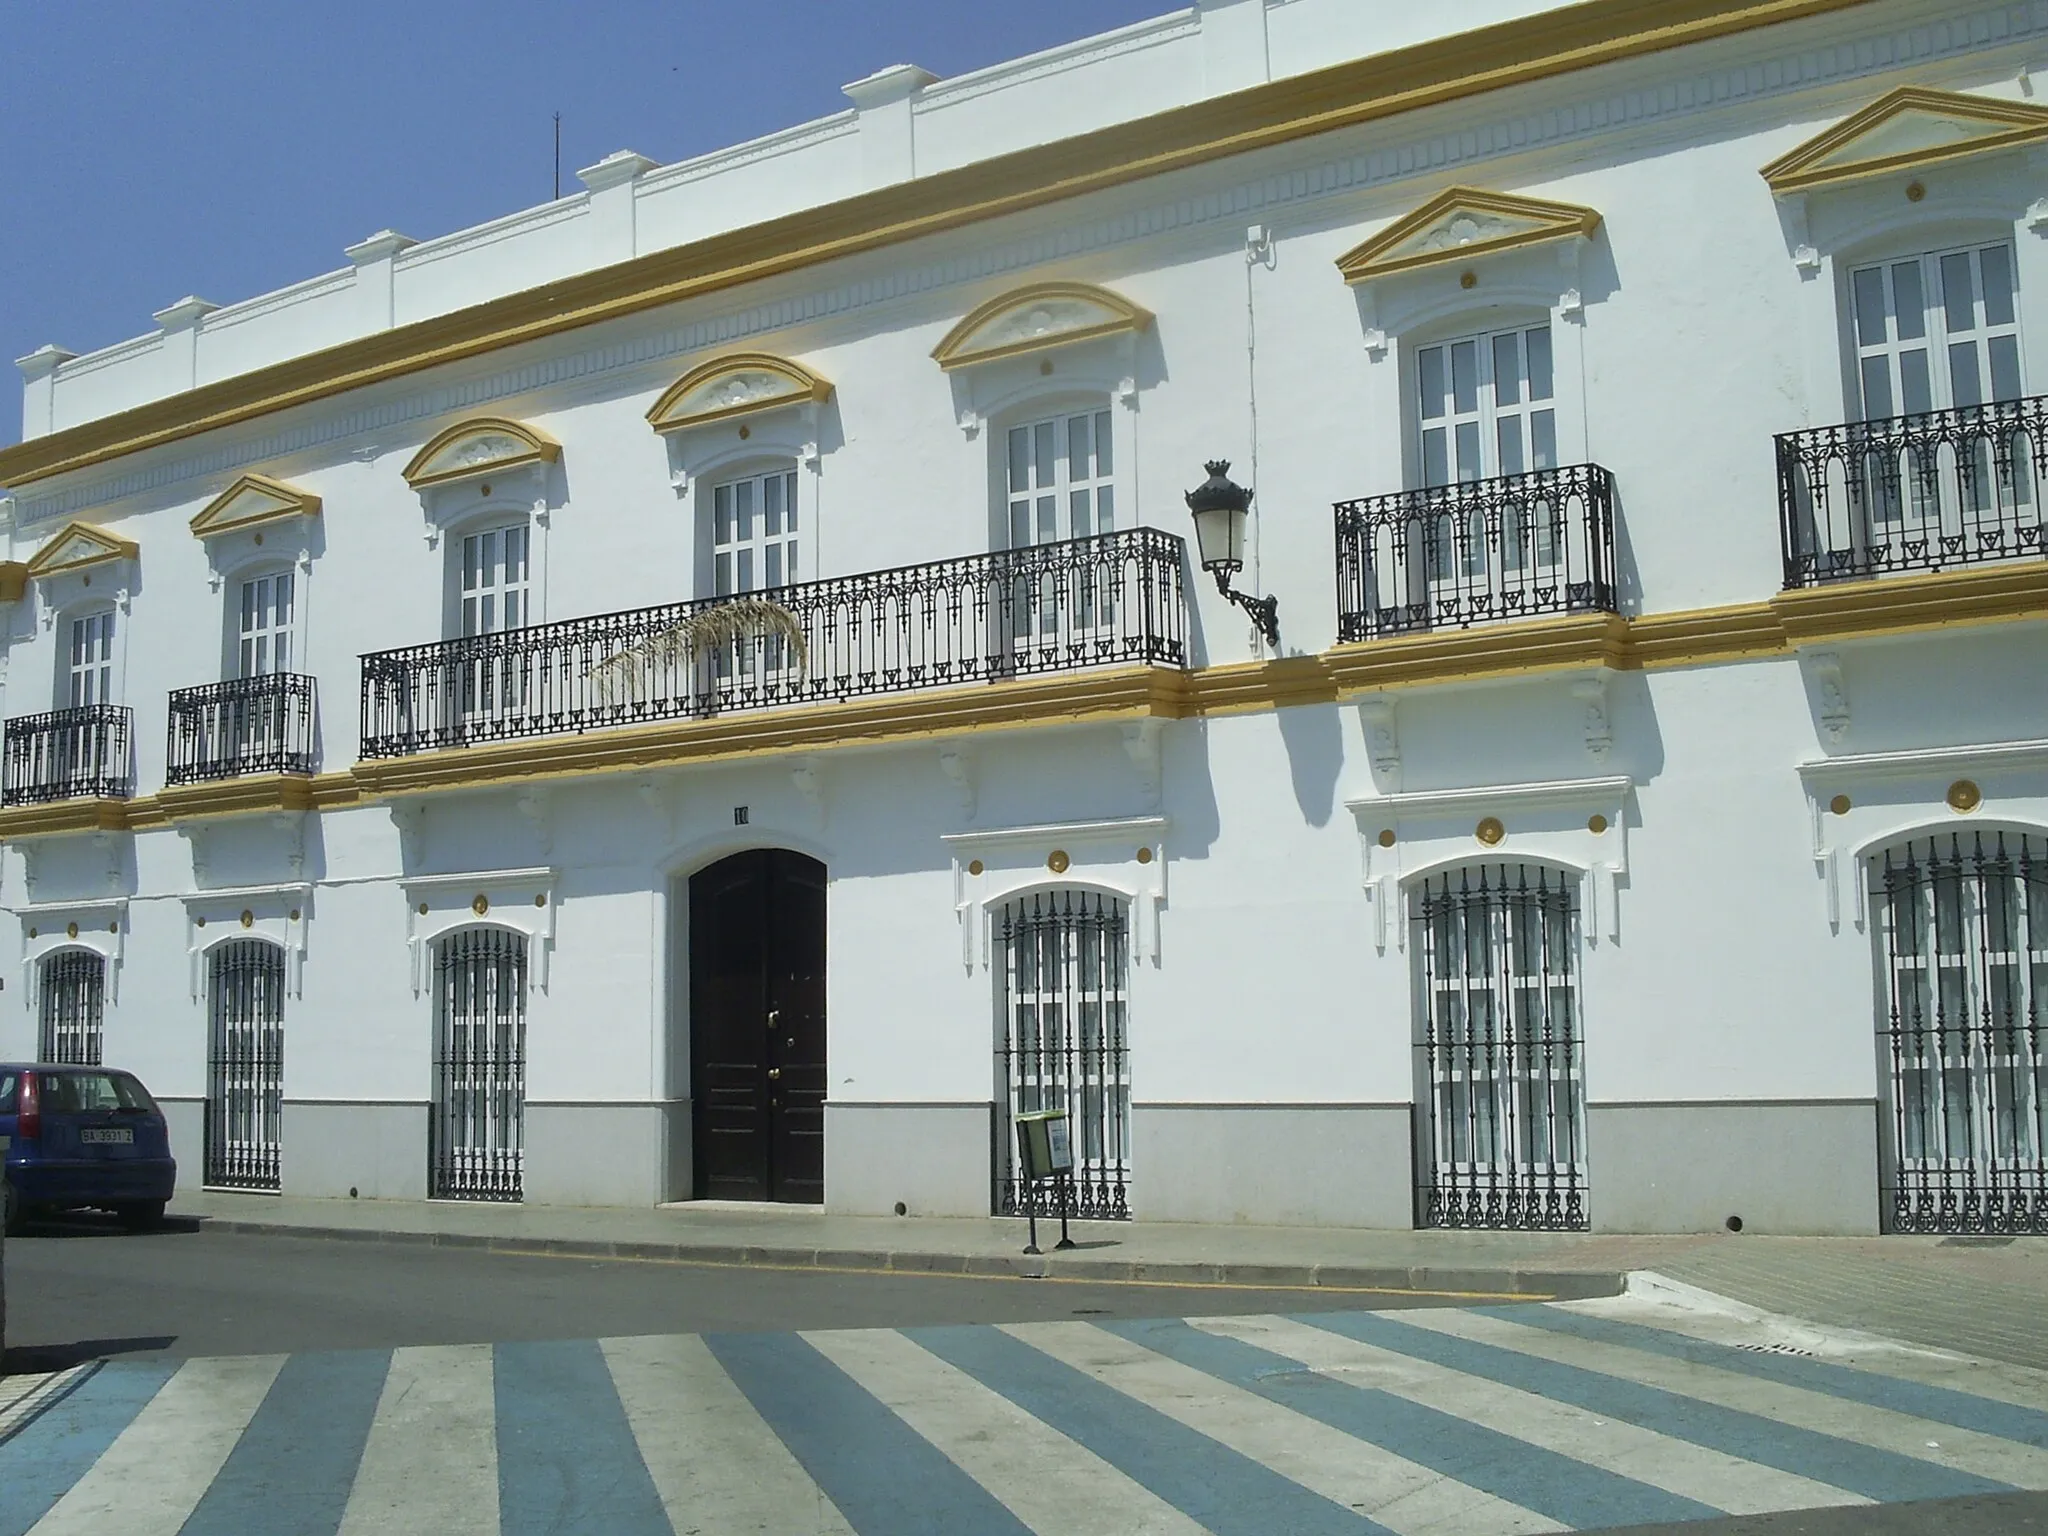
(83, 1288)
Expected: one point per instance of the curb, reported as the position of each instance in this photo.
(1564, 1285)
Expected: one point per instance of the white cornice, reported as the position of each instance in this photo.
(1070, 831)
(1925, 762)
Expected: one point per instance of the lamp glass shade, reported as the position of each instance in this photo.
(1219, 535)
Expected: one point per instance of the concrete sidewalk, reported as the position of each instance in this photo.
(1980, 1296)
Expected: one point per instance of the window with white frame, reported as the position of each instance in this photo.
(266, 624)
(495, 574)
(754, 535)
(1485, 406)
(1060, 479)
(90, 672)
(1936, 330)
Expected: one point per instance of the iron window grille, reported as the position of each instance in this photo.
(73, 1007)
(1964, 952)
(261, 724)
(479, 1112)
(1502, 1056)
(1479, 552)
(1062, 1043)
(245, 1067)
(1925, 492)
(67, 754)
(1115, 599)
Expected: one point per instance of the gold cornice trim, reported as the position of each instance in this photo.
(59, 816)
(108, 547)
(1550, 221)
(1566, 643)
(954, 352)
(804, 385)
(206, 522)
(1518, 52)
(1895, 605)
(2017, 123)
(253, 795)
(13, 580)
(538, 448)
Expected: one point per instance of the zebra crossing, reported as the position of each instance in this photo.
(1455, 1422)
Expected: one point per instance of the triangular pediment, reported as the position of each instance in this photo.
(737, 384)
(482, 445)
(1461, 223)
(251, 501)
(76, 547)
(1909, 127)
(1035, 318)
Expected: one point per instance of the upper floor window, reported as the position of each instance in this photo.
(90, 673)
(266, 624)
(754, 542)
(495, 576)
(1485, 406)
(1059, 484)
(1936, 330)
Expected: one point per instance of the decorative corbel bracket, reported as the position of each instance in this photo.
(1382, 739)
(194, 834)
(1591, 695)
(1833, 693)
(410, 817)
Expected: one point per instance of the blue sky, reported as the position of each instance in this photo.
(155, 148)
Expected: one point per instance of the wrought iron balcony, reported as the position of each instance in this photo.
(245, 725)
(68, 754)
(1481, 552)
(1112, 600)
(1914, 493)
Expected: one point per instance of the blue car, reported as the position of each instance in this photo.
(72, 1137)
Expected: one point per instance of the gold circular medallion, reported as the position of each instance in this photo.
(975, 866)
(541, 900)
(295, 914)
(32, 932)
(197, 922)
(259, 539)
(71, 930)
(1144, 855)
(1490, 831)
(745, 433)
(481, 905)
(1468, 280)
(248, 918)
(1915, 191)
(1839, 805)
(113, 927)
(483, 490)
(423, 909)
(1044, 367)
(1058, 862)
(1386, 837)
(1596, 824)
(1963, 795)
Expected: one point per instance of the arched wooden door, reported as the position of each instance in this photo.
(757, 1027)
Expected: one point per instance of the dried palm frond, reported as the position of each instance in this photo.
(627, 672)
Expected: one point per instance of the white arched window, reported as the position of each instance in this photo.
(245, 980)
(71, 1007)
(479, 1110)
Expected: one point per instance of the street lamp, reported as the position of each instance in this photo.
(1219, 505)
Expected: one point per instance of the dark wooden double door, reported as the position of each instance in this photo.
(757, 1027)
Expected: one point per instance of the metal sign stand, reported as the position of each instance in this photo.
(1044, 1153)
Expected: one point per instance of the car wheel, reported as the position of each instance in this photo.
(141, 1215)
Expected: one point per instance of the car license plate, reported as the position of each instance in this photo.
(121, 1136)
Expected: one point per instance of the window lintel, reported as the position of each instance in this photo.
(1460, 224)
(481, 445)
(737, 384)
(251, 502)
(1904, 130)
(1035, 318)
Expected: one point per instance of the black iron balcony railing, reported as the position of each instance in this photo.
(1485, 551)
(245, 725)
(1913, 493)
(67, 754)
(1115, 599)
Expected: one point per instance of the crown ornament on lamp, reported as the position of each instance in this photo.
(1219, 505)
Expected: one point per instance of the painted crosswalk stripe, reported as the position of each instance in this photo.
(1401, 1494)
(431, 1456)
(1949, 1445)
(1637, 1457)
(1944, 1405)
(158, 1468)
(885, 1478)
(1047, 1481)
(293, 1466)
(567, 1459)
(1874, 1474)
(46, 1456)
(715, 1462)
(1225, 1492)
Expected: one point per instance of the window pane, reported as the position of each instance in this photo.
(1465, 376)
(2005, 367)
(1959, 292)
(1915, 392)
(1082, 524)
(1042, 454)
(721, 581)
(1080, 457)
(1963, 377)
(1539, 363)
(771, 506)
(1510, 438)
(774, 562)
(721, 515)
(1909, 300)
(1020, 459)
(1435, 464)
(1429, 366)
(1871, 330)
(283, 583)
(1877, 389)
(1543, 432)
(744, 567)
(1020, 524)
(1996, 262)
(472, 553)
(1103, 464)
(1469, 467)
(515, 554)
(743, 509)
(1105, 506)
(1507, 369)
(1048, 519)
(789, 506)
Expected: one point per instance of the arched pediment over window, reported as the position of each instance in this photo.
(77, 547)
(1460, 223)
(481, 445)
(1904, 129)
(1034, 318)
(738, 384)
(250, 502)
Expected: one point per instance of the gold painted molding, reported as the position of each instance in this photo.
(1518, 52)
(1892, 605)
(1526, 220)
(13, 580)
(528, 445)
(983, 337)
(252, 795)
(251, 502)
(676, 410)
(20, 821)
(79, 547)
(1880, 139)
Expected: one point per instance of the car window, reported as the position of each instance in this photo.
(10, 1091)
(88, 1093)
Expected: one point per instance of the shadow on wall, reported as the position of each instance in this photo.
(1314, 739)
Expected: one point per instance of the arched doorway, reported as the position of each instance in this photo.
(757, 1027)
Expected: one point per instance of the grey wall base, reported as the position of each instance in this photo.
(1800, 1167)
(185, 1119)
(934, 1158)
(378, 1151)
(604, 1154)
(1337, 1165)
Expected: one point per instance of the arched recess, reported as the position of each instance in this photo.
(477, 1131)
(70, 999)
(245, 998)
(1034, 318)
(736, 384)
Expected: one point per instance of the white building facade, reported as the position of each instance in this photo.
(707, 689)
